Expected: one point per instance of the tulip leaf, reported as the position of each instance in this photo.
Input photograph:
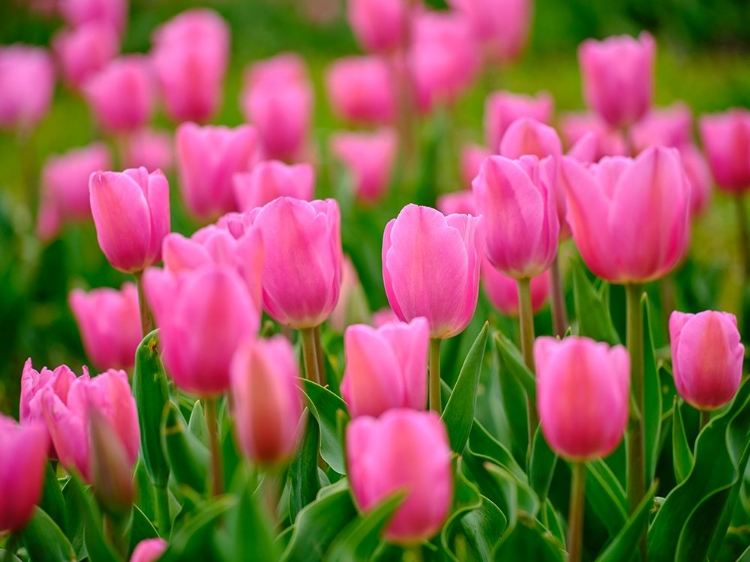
(194, 540)
(99, 550)
(324, 405)
(682, 456)
(459, 410)
(511, 358)
(141, 528)
(592, 311)
(197, 424)
(605, 495)
(303, 472)
(188, 457)
(11, 557)
(652, 394)
(542, 465)
(52, 501)
(151, 396)
(44, 540)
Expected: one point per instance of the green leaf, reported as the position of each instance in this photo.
(621, 547)
(99, 550)
(188, 457)
(10, 558)
(197, 424)
(542, 465)
(151, 396)
(605, 495)
(528, 540)
(141, 528)
(303, 472)
(682, 456)
(53, 502)
(324, 405)
(652, 392)
(592, 311)
(458, 415)
(45, 541)
(194, 540)
(511, 359)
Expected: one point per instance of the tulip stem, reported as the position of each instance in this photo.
(575, 515)
(147, 323)
(162, 510)
(435, 399)
(557, 298)
(744, 237)
(320, 355)
(635, 445)
(116, 530)
(270, 487)
(212, 421)
(308, 354)
(526, 317)
(26, 146)
(705, 418)
(10, 547)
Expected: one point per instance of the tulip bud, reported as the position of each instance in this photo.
(706, 357)
(79, 12)
(111, 471)
(271, 179)
(27, 82)
(149, 550)
(379, 450)
(502, 291)
(83, 51)
(150, 149)
(668, 126)
(384, 316)
(603, 140)
(380, 26)
(726, 139)
(502, 108)
(583, 388)
(472, 156)
(369, 158)
(131, 214)
(360, 90)
(461, 203)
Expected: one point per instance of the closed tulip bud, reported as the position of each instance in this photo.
(271, 179)
(150, 149)
(431, 267)
(726, 139)
(131, 214)
(111, 469)
(603, 140)
(386, 367)
(79, 12)
(380, 26)
(502, 108)
(369, 158)
(267, 403)
(706, 357)
(379, 450)
(502, 291)
(583, 388)
(27, 82)
(460, 203)
(207, 159)
(23, 457)
(110, 325)
(360, 90)
(517, 200)
(149, 550)
(302, 269)
(668, 126)
(618, 77)
(83, 51)
(472, 156)
(352, 307)
(629, 218)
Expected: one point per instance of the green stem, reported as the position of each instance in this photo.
(414, 553)
(320, 355)
(212, 421)
(557, 299)
(309, 355)
(705, 418)
(636, 451)
(526, 317)
(744, 237)
(116, 530)
(575, 517)
(435, 399)
(10, 547)
(162, 511)
(147, 323)
(28, 176)
(271, 491)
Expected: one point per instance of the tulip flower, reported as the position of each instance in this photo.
(149, 148)
(111, 470)
(380, 26)
(370, 158)
(352, 307)
(22, 462)
(149, 550)
(402, 451)
(384, 316)
(472, 156)
(502, 108)
(502, 291)
(77, 13)
(267, 403)
(527, 136)
(271, 179)
(726, 139)
(461, 203)
(110, 325)
(629, 217)
(699, 175)
(27, 81)
(587, 128)
(668, 126)
(85, 50)
(618, 77)
(360, 90)
(131, 214)
(706, 357)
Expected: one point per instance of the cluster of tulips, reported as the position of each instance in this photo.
(223, 425)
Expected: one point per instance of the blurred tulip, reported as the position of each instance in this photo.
(405, 451)
(352, 307)
(502, 108)
(380, 26)
(472, 156)
(149, 148)
(22, 462)
(110, 324)
(459, 203)
(583, 389)
(79, 12)
(668, 126)
(302, 270)
(517, 200)
(110, 466)
(207, 159)
(726, 139)
(602, 139)
(502, 291)
(431, 267)
(27, 82)
(369, 158)
(271, 179)
(149, 550)
(618, 76)
(629, 217)
(699, 174)
(267, 403)
(131, 214)
(384, 316)
(706, 357)
(85, 50)
(360, 90)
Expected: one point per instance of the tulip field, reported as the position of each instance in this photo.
(374, 280)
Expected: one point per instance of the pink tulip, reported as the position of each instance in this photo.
(517, 201)
(699, 174)
(380, 26)
(459, 203)
(302, 269)
(149, 550)
(431, 267)
(351, 307)
(583, 388)
(502, 108)
(369, 158)
(271, 179)
(726, 139)
(22, 462)
(149, 148)
(668, 126)
(65, 187)
(472, 156)
(629, 217)
(207, 159)
(68, 420)
(618, 77)
(190, 55)
(131, 214)
(706, 357)
(267, 403)
(604, 140)
(121, 96)
(502, 291)
(27, 82)
(85, 50)
(405, 451)
(80, 12)
(386, 367)
(360, 90)
(110, 325)
(384, 316)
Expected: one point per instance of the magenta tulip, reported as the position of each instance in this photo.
(602, 139)
(77, 13)
(149, 550)
(271, 179)
(431, 267)
(85, 50)
(668, 126)
(699, 174)
(472, 156)
(502, 108)
(131, 214)
(380, 26)
(726, 139)
(461, 203)
(360, 90)
(706, 357)
(27, 82)
(502, 291)
(384, 316)
(402, 451)
(369, 159)
(149, 148)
